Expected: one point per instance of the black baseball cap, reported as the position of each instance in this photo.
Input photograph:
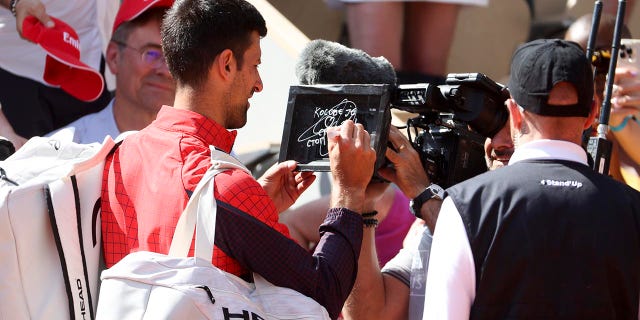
(538, 65)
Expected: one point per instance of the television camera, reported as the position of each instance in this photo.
(452, 124)
(448, 132)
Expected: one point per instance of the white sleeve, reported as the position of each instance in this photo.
(451, 280)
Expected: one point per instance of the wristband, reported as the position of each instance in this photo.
(369, 214)
(623, 123)
(370, 222)
(12, 6)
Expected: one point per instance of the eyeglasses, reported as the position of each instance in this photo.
(152, 57)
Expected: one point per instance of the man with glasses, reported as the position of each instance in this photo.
(143, 82)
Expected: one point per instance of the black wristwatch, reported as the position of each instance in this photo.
(433, 191)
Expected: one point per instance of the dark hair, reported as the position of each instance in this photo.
(121, 34)
(194, 32)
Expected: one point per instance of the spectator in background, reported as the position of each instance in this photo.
(143, 81)
(31, 106)
(415, 36)
(625, 103)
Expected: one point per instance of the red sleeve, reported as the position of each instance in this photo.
(242, 191)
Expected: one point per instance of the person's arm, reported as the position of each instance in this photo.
(628, 138)
(625, 103)
(451, 281)
(6, 4)
(6, 131)
(369, 298)
(328, 275)
(303, 221)
(24, 8)
(347, 143)
(429, 213)
(375, 295)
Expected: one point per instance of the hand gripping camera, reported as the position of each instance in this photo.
(453, 122)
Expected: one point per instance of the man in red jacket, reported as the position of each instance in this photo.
(212, 48)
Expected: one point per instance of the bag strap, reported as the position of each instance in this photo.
(200, 213)
(65, 214)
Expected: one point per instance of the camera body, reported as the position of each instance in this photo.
(453, 122)
(449, 132)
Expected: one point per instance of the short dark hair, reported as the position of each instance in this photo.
(194, 32)
(121, 34)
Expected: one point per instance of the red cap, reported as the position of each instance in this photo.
(130, 9)
(63, 67)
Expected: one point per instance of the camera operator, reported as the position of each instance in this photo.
(538, 238)
(397, 291)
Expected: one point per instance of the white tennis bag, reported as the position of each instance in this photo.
(147, 285)
(50, 229)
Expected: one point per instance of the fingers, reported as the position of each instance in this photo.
(624, 73)
(626, 95)
(34, 8)
(626, 102)
(364, 136)
(356, 132)
(349, 132)
(397, 139)
(333, 136)
(393, 156)
(350, 146)
(40, 13)
(304, 180)
(626, 88)
(281, 168)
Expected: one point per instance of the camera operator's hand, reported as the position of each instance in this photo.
(352, 160)
(407, 171)
(284, 185)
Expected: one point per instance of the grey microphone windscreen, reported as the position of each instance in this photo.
(327, 62)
